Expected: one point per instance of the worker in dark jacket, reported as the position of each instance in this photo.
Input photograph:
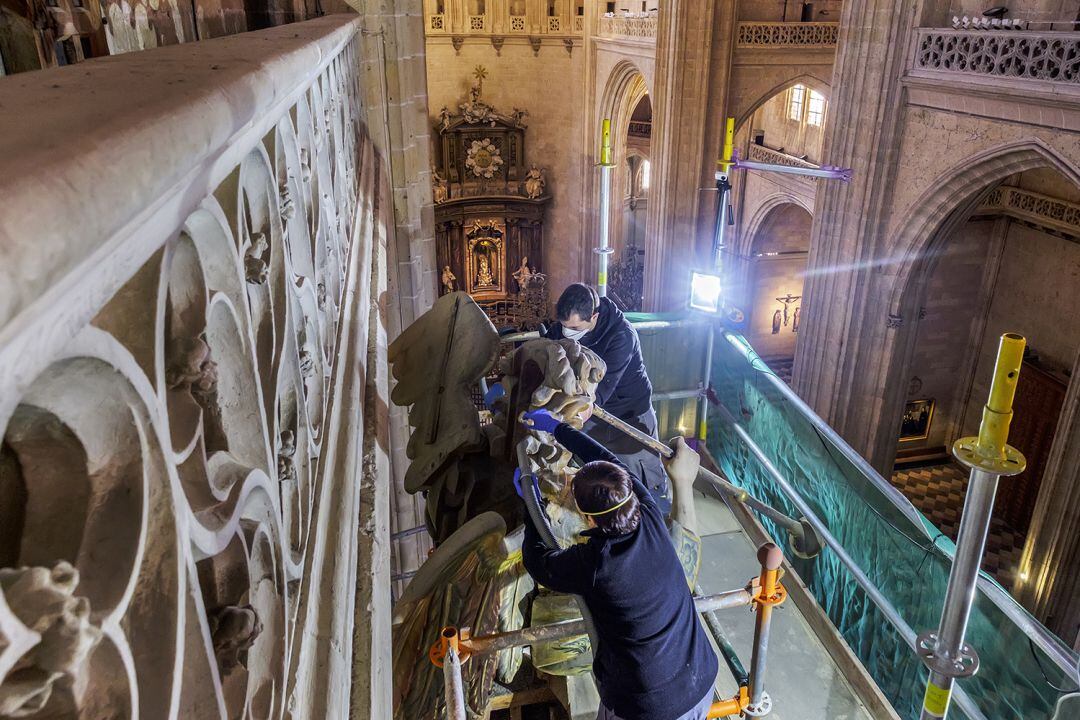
(625, 391)
(654, 661)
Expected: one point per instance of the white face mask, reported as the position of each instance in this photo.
(573, 334)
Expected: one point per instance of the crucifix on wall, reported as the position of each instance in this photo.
(787, 300)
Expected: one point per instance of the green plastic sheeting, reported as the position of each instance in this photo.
(909, 562)
(898, 549)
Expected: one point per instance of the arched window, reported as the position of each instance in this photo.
(815, 112)
(645, 174)
(796, 102)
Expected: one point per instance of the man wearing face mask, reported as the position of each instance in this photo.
(625, 392)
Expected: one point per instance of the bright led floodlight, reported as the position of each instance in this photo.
(705, 292)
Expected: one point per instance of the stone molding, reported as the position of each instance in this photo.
(1047, 56)
(1059, 217)
(787, 34)
(760, 153)
(631, 27)
(196, 366)
(498, 20)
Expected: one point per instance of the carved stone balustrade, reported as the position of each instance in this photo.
(464, 18)
(1047, 56)
(193, 497)
(1047, 214)
(787, 34)
(640, 27)
(760, 153)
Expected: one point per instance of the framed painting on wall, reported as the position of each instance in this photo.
(918, 414)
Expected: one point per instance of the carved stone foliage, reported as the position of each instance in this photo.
(788, 34)
(1052, 56)
(158, 476)
(632, 27)
(1052, 215)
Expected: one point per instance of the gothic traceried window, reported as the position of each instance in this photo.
(796, 103)
(815, 114)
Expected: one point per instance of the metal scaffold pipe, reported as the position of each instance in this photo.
(989, 457)
(485, 644)
(806, 541)
(878, 598)
(607, 166)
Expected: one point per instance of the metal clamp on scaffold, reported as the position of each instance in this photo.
(449, 638)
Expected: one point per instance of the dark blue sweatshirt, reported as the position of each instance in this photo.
(654, 661)
(625, 391)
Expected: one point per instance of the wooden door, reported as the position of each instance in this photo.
(1039, 397)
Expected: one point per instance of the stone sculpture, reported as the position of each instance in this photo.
(475, 578)
(286, 456)
(191, 367)
(439, 189)
(233, 630)
(534, 182)
(287, 206)
(523, 273)
(483, 275)
(256, 269)
(44, 601)
(448, 278)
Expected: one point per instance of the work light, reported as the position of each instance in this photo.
(706, 292)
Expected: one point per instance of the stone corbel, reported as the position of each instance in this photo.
(568, 43)
(535, 42)
(457, 41)
(497, 43)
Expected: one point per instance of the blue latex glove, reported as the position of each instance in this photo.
(542, 420)
(494, 392)
(517, 482)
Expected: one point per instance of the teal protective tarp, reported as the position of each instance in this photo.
(895, 547)
(909, 562)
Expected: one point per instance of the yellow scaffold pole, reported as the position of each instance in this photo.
(989, 457)
(607, 166)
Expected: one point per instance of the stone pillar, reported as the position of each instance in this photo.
(1051, 559)
(681, 104)
(850, 342)
(395, 81)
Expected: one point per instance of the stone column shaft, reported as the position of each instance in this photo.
(845, 351)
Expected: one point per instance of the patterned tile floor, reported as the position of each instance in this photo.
(781, 366)
(938, 493)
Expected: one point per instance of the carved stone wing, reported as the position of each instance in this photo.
(436, 361)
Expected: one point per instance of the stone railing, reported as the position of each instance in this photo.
(1048, 56)
(1034, 209)
(529, 18)
(787, 34)
(760, 153)
(629, 27)
(188, 467)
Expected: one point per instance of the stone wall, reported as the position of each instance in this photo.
(950, 325)
(1038, 282)
(549, 85)
(778, 259)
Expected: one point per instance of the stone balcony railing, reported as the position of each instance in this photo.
(1046, 56)
(760, 153)
(505, 24)
(640, 27)
(787, 34)
(1056, 216)
(192, 269)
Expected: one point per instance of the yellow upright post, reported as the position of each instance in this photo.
(607, 165)
(989, 456)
